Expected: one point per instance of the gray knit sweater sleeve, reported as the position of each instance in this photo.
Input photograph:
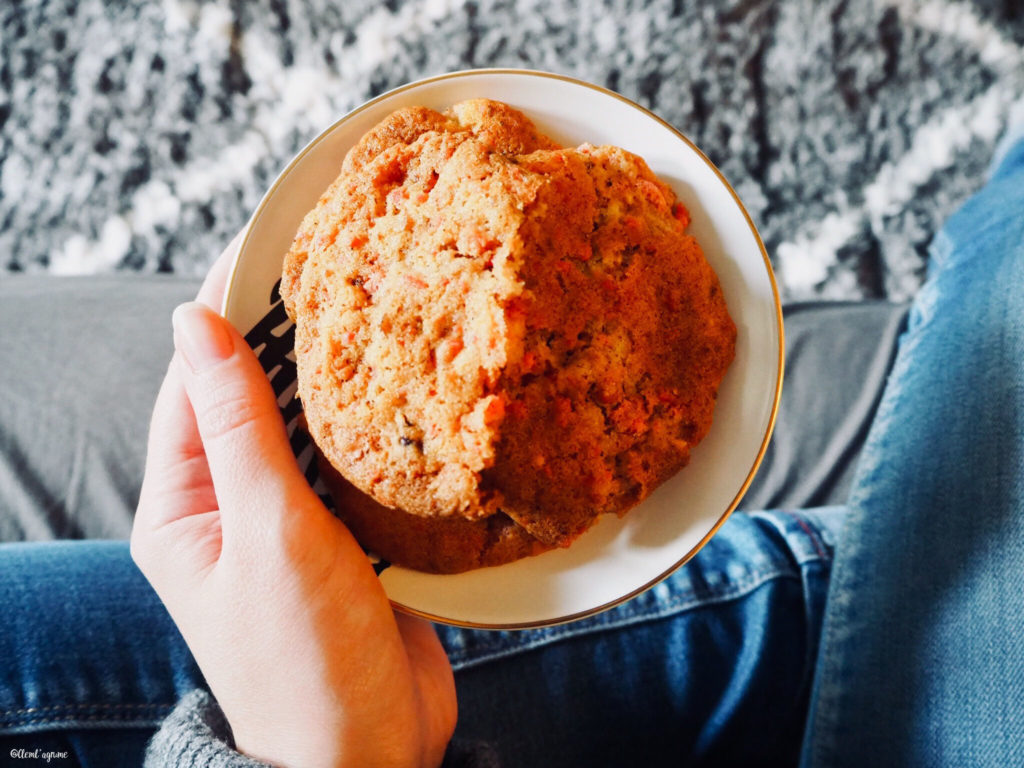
(197, 735)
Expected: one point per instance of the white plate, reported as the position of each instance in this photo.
(617, 558)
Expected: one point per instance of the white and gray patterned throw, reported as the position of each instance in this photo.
(139, 135)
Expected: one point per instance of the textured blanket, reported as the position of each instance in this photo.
(140, 135)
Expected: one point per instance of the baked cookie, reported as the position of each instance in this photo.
(496, 331)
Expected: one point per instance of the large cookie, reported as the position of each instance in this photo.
(490, 325)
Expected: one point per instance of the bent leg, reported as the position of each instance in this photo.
(711, 667)
(89, 657)
(82, 361)
(713, 664)
(921, 660)
(838, 356)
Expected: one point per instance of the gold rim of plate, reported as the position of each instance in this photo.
(764, 255)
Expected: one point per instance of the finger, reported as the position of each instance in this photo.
(212, 291)
(175, 460)
(177, 475)
(176, 486)
(236, 412)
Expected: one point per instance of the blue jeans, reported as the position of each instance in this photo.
(723, 649)
(915, 657)
(922, 650)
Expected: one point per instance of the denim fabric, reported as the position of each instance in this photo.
(82, 360)
(922, 653)
(823, 420)
(90, 662)
(750, 551)
(711, 667)
(86, 643)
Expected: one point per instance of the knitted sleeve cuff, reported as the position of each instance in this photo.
(197, 735)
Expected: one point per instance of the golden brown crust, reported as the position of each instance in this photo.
(499, 127)
(489, 325)
(402, 127)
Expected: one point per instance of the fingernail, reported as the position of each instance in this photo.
(200, 336)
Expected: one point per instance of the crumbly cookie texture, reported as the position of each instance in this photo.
(490, 324)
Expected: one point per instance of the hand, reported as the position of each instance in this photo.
(279, 605)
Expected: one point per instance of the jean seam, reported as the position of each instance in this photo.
(822, 725)
(64, 713)
(58, 707)
(75, 717)
(819, 546)
(678, 604)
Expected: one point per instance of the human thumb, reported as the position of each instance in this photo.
(251, 463)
